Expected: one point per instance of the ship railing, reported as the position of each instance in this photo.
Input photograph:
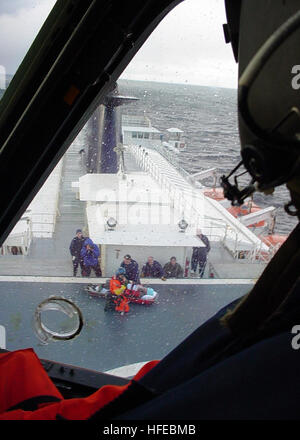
(43, 224)
(170, 156)
(228, 233)
(204, 174)
(218, 231)
(19, 240)
(273, 248)
(257, 253)
(139, 121)
(153, 168)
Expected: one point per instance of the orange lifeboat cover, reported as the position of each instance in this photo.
(273, 240)
(244, 210)
(215, 193)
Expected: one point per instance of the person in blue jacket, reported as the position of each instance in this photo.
(90, 254)
(132, 269)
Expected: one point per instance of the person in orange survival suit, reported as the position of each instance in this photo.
(115, 298)
(122, 304)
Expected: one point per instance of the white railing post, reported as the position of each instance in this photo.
(235, 243)
(225, 235)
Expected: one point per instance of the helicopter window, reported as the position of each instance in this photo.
(150, 202)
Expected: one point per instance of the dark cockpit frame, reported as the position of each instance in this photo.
(73, 63)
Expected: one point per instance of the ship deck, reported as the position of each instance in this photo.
(109, 340)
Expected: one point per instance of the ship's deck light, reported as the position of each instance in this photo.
(182, 225)
(111, 223)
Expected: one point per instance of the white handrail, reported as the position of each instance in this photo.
(229, 231)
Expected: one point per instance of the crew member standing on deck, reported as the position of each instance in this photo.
(199, 255)
(75, 249)
(90, 254)
(132, 269)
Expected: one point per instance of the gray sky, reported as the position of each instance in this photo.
(187, 47)
(20, 21)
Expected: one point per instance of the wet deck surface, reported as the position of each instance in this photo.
(109, 340)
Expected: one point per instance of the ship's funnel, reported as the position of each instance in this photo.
(105, 134)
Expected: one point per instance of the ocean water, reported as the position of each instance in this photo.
(208, 117)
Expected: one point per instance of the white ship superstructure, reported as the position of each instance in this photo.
(139, 211)
(151, 207)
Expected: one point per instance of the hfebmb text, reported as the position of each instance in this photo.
(171, 429)
(163, 429)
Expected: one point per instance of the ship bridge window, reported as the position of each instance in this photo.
(140, 135)
(134, 134)
(146, 135)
